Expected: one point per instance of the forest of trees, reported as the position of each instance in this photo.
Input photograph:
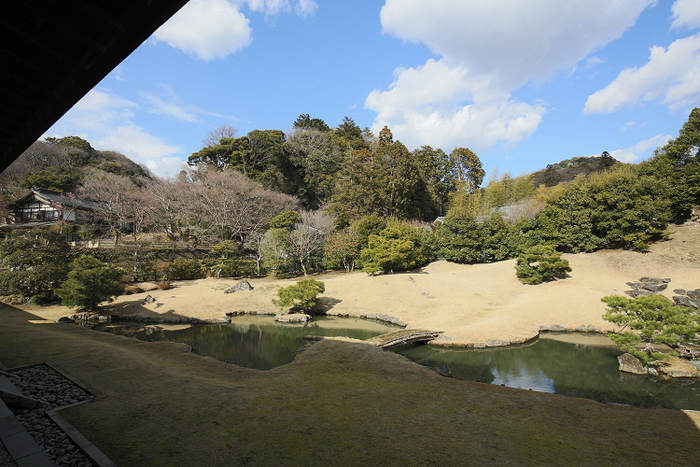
(341, 197)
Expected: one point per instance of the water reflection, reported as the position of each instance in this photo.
(565, 368)
(258, 341)
(558, 364)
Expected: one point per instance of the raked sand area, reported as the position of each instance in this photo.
(350, 404)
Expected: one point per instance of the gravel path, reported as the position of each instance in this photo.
(43, 383)
(5, 458)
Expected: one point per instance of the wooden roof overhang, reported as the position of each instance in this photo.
(52, 52)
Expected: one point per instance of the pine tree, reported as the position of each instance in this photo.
(90, 282)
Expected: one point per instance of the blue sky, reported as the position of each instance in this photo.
(521, 83)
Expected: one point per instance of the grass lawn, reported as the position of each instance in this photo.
(338, 403)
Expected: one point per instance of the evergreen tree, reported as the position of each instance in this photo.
(301, 297)
(438, 171)
(541, 263)
(396, 248)
(653, 319)
(90, 282)
(459, 238)
(36, 261)
(468, 168)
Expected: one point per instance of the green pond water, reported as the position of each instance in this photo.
(578, 365)
(254, 341)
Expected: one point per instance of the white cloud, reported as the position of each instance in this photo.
(686, 14)
(106, 120)
(100, 108)
(305, 8)
(511, 41)
(118, 73)
(439, 104)
(593, 61)
(207, 29)
(215, 29)
(168, 104)
(269, 7)
(671, 76)
(487, 50)
(641, 149)
(143, 148)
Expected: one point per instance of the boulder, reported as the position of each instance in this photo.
(132, 289)
(146, 286)
(149, 299)
(677, 368)
(631, 364)
(557, 328)
(693, 294)
(293, 318)
(654, 288)
(637, 293)
(242, 285)
(679, 291)
(685, 301)
(65, 319)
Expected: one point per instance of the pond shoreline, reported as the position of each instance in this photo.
(379, 317)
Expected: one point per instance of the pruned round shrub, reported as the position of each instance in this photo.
(302, 297)
(541, 263)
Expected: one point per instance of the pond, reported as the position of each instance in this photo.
(253, 341)
(571, 364)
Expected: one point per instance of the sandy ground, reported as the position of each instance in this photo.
(472, 304)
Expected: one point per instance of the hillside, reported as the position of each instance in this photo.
(62, 164)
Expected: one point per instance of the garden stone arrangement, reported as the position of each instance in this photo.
(46, 385)
(647, 286)
(654, 285)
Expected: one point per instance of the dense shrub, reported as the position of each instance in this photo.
(302, 297)
(285, 220)
(37, 262)
(623, 208)
(398, 247)
(229, 267)
(89, 283)
(541, 263)
(460, 238)
(187, 269)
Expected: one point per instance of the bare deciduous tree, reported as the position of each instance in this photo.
(111, 193)
(39, 156)
(214, 136)
(233, 206)
(306, 240)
